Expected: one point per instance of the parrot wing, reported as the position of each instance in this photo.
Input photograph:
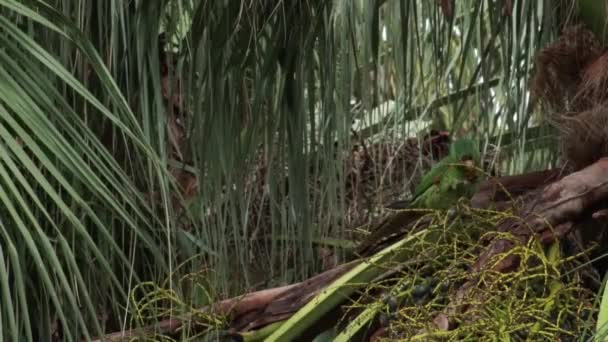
(452, 184)
(452, 178)
(444, 179)
(433, 177)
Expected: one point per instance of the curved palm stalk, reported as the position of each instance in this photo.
(341, 289)
(601, 330)
(364, 319)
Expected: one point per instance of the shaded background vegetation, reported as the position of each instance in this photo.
(240, 141)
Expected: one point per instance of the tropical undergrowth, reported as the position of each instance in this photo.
(544, 298)
(99, 115)
(550, 294)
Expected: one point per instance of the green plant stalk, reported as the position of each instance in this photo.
(261, 334)
(341, 289)
(365, 318)
(553, 256)
(601, 329)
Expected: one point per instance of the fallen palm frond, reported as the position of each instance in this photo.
(474, 273)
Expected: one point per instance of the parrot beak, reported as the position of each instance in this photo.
(468, 161)
(471, 170)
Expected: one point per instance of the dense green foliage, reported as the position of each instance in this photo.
(252, 101)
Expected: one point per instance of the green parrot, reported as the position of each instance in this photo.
(453, 177)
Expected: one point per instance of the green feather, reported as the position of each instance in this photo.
(431, 177)
(447, 181)
(465, 147)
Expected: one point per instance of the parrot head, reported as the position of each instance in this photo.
(466, 151)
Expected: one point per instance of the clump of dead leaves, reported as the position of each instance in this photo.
(571, 82)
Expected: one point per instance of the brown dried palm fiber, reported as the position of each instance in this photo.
(593, 88)
(585, 136)
(560, 67)
(570, 80)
